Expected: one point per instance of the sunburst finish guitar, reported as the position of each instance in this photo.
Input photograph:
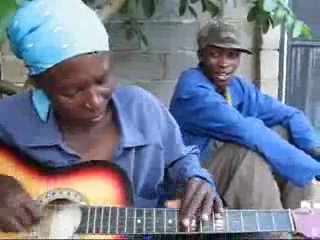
(94, 200)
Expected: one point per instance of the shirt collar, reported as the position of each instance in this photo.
(48, 133)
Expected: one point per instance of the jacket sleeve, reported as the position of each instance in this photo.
(204, 112)
(273, 112)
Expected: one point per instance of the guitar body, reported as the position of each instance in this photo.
(97, 183)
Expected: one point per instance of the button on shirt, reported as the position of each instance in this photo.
(151, 149)
(204, 114)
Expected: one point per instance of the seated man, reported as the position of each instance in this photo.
(255, 167)
(76, 113)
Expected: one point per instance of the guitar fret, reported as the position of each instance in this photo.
(126, 220)
(176, 221)
(149, 221)
(258, 221)
(98, 217)
(109, 219)
(139, 221)
(290, 220)
(273, 222)
(250, 221)
(159, 221)
(130, 221)
(213, 223)
(117, 220)
(154, 220)
(165, 221)
(241, 221)
(144, 220)
(292, 226)
(283, 221)
(94, 220)
(88, 220)
(134, 221)
(121, 220)
(227, 221)
(235, 221)
(113, 220)
(101, 220)
(105, 220)
(266, 224)
(171, 224)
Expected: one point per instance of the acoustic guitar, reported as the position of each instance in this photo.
(93, 200)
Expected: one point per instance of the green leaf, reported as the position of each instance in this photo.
(183, 7)
(253, 13)
(193, 1)
(132, 6)
(265, 27)
(278, 16)
(212, 8)
(269, 5)
(306, 32)
(7, 9)
(280, 13)
(297, 28)
(193, 12)
(264, 21)
(289, 22)
(204, 5)
(149, 7)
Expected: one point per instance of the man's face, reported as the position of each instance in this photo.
(79, 88)
(219, 64)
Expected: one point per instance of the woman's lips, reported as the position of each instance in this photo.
(97, 118)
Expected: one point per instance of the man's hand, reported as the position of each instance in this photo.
(17, 209)
(199, 199)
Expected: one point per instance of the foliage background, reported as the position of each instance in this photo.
(266, 13)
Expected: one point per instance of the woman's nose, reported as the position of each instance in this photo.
(93, 100)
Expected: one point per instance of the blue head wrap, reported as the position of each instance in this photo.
(46, 32)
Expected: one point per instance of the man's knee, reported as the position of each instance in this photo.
(282, 131)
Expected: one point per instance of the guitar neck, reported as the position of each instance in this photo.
(120, 220)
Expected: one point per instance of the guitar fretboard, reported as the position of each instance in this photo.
(126, 221)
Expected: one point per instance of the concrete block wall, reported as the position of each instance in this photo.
(11, 68)
(269, 62)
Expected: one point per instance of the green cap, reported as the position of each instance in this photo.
(221, 34)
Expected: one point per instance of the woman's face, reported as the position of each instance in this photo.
(80, 88)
